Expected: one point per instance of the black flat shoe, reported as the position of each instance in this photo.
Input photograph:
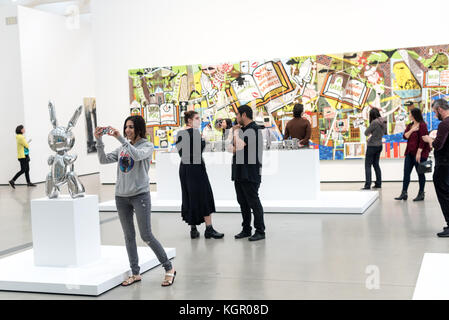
(194, 234)
(365, 188)
(256, 237)
(212, 233)
(12, 184)
(31, 185)
(444, 233)
(242, 234)
(377, 187)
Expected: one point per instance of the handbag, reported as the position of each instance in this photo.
(424, 167)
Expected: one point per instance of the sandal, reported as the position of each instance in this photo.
(131, 280)
(167, 283)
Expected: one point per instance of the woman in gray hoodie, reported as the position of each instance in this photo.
(132, 192)
(376, 130)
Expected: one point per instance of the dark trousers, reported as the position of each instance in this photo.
(372, 159)
(409, 164)
(248, 198)
(24, 168)
(441, 183)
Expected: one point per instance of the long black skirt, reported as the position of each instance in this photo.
(197, 197)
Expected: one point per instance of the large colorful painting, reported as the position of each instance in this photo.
(337, 90)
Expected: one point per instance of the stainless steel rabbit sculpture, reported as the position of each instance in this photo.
(61, 140)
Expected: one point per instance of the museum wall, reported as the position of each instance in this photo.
(11, 101)
(139, 33)
(57, 64)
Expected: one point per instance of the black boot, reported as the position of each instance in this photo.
(419, 197)
(194, 232)
(403, 196)
(12, 184)
(211, 233)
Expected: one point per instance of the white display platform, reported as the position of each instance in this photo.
(18, 272)
(66, 231)
(286, 175)
(433, 279)
(355, 202)
(290, 184)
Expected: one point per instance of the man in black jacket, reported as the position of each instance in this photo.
(441, 153)
(246, 172)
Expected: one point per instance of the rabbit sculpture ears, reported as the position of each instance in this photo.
(72, 121)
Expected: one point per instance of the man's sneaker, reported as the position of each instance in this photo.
(256, 236)
(444, 233)
(242, 234)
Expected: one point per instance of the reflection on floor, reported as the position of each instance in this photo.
(320, 256)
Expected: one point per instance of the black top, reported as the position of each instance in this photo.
(247, 163)
(441, 144)
(190, 146)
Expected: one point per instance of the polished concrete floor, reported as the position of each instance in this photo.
(305, 256)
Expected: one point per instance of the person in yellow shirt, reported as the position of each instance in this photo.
(23, 157)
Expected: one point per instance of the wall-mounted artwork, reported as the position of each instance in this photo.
(90, 112)
(337, 91)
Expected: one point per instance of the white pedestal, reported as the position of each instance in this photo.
(66, 231)
(433, 279)
(338, 202)
(290, 184)
(286, 175)
(18, 272)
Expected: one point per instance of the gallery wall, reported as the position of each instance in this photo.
(57, 64)
(11, 101)
(132, 34)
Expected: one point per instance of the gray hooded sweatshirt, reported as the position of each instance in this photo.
(133, 165)
(377, 129)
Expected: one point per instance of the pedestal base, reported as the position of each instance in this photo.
(355, 202)
(18, 272)
(433, 279)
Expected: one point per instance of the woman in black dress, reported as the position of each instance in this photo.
(197, 197)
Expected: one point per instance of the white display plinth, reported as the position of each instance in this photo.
(290, 184)
(351, 202)
(286, 175)
(433, 278)
(18, 272)
(66, 231)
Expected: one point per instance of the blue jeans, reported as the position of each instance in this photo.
(409, 163)
(141, 205)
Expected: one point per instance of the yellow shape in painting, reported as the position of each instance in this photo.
(333, 103)
(156, 141)
(404, 79)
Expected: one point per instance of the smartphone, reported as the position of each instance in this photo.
(105, 130)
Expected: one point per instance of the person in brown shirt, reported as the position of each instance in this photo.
(298, 127)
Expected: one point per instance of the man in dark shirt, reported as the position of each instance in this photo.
(246, 172)
(441, 153)
(298, 127)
